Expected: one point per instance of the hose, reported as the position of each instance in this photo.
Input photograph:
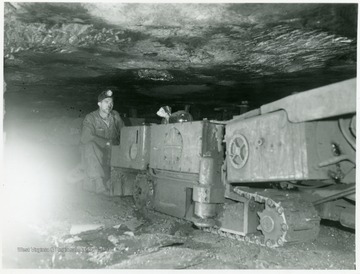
(336, 160)
(353, 125)
(341, 194)
(346, 134)
(307, 186)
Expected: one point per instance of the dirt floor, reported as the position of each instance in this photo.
(54, 224)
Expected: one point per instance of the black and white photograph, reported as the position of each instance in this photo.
(179, 135)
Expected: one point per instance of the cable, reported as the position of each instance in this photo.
(346, 135)
(335, 160)
(341, 194)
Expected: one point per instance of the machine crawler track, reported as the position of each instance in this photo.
(285, 219)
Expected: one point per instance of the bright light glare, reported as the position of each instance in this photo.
(28, 184)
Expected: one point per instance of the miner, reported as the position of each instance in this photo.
(100, 130)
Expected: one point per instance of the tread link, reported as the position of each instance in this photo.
(286, 219)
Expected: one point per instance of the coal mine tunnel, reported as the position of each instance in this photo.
(214, 60)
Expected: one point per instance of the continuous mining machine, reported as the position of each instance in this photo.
(267, 176)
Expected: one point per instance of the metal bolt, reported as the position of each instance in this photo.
(284, 227)
(280, 210)
(270, 203)
(280, 242)
(269, 243)
(335, 149)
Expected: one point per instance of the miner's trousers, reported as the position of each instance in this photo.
(96, 162)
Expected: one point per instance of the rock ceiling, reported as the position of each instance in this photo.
(150, 54)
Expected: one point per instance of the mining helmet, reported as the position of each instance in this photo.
(105, 94)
